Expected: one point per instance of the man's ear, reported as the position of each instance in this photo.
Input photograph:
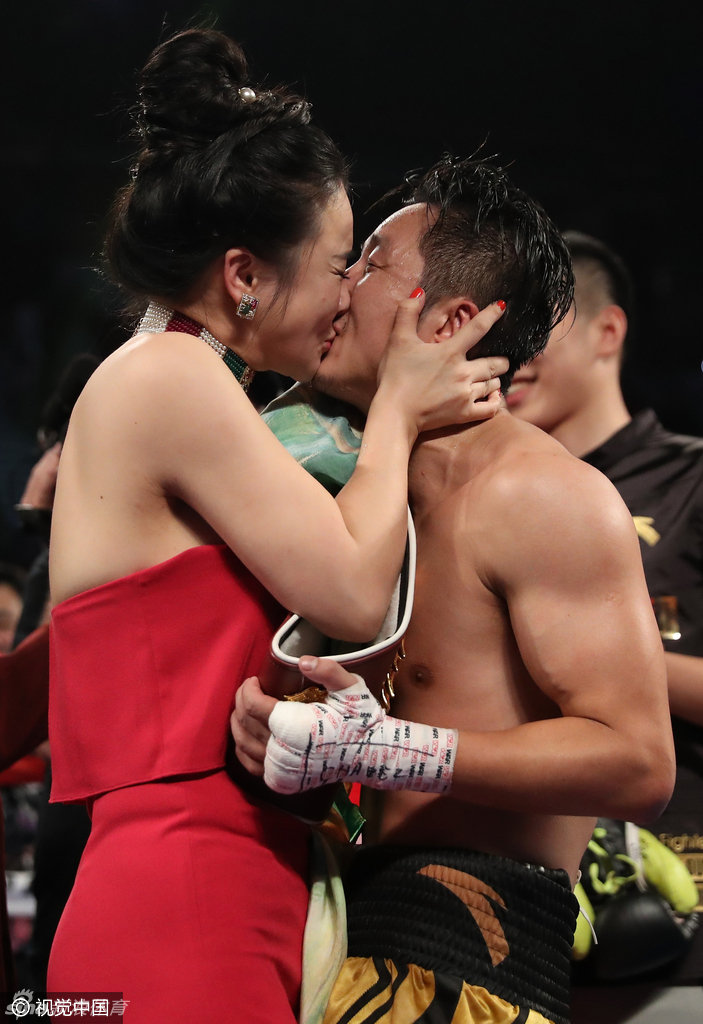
(611, 327)
(240, 273)
(445, 317)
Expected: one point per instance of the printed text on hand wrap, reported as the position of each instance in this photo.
(351, 738)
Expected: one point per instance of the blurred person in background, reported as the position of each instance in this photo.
(573, 391)
(60, 830)
(24, 699)
(11, 589)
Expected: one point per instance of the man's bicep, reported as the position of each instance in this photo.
(583, 619)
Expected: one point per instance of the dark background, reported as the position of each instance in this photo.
(596, 106)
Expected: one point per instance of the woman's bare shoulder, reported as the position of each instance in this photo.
(159, 377)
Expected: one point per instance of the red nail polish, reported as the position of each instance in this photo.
(417, 293)
(500, 303)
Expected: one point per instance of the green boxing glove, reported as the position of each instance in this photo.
(668, 874)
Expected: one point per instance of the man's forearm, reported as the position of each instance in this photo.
(685, 681)
(564, 765)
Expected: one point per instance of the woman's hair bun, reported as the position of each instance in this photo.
(189, 88)
(218, 167)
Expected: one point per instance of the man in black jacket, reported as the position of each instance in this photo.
(572, 391)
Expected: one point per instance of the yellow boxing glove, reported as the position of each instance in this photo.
(668, 874)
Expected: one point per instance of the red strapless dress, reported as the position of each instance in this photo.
(191, 897)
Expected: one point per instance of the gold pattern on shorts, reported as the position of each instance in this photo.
(475, 896)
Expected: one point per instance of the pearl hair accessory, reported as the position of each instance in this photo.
(246, 94)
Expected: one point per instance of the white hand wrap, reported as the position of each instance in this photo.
(350, 737)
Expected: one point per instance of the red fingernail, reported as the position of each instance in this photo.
(500, 303)
(417, 293)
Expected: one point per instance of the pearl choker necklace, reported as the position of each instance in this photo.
(158, 319)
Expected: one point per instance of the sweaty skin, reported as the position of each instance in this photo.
(497, 589)
(533, 635)
(532, 630)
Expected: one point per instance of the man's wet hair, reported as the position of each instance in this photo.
(602, 277)
(489, 240)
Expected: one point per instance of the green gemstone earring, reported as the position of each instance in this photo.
(247, 307)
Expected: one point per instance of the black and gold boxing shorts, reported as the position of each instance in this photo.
(454, 937)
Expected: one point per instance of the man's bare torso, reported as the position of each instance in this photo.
(463, 669)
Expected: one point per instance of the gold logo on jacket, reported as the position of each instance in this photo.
(474, 894)
(644, 525)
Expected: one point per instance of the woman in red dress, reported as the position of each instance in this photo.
(181, 527)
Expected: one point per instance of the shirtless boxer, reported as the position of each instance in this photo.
(532, 651)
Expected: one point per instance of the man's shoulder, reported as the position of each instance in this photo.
(686, 443)
(658, 473)
(534, 488)
(683, 454)
(644, 444)
(526, 463)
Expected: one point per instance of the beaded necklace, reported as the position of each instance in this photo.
(158, 319)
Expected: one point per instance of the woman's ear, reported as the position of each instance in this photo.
(240, 273)
(445, 317)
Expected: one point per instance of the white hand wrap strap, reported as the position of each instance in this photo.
(350, 737)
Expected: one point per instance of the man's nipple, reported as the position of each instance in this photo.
(420, 675)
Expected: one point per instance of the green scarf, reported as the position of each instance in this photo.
(315, 430)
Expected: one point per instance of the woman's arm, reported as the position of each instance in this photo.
(197, 437)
